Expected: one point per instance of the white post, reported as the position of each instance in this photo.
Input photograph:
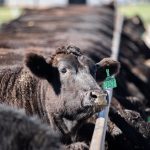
(98, 139)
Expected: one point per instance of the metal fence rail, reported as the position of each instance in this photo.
(98, 139)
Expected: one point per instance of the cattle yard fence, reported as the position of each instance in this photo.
(98, 139)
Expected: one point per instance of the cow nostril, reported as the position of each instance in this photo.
(93, 95)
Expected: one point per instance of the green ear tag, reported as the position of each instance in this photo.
(110, 81)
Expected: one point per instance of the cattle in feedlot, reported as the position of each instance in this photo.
(61, 87)
(91, 29)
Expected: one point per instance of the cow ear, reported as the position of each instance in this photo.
(38, 65)
(106, 63)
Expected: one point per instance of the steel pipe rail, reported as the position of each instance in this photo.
(98, 139)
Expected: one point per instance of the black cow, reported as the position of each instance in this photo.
(63, 87)
(20, 132)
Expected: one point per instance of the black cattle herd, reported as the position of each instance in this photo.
(61, 87)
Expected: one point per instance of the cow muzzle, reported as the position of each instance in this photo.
(96, 98)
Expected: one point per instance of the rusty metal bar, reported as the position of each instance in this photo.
(98, 139)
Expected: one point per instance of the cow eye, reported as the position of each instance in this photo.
(63, 70)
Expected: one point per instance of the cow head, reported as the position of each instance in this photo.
(76, 76)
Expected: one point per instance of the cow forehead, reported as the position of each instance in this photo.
(67, 58)
(72, 60)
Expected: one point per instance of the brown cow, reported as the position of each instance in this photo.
(62, 88)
